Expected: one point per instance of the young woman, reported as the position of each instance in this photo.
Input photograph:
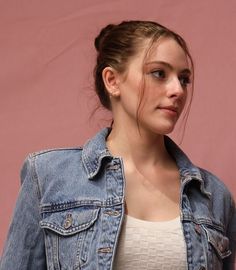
(129, 198)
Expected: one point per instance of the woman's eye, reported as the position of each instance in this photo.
(185, 80)
(159, 74)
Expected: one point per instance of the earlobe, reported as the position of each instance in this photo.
(111, 81)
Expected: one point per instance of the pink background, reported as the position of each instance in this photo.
(46, 82)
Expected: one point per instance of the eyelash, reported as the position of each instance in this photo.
(185, 79)
(158, 71)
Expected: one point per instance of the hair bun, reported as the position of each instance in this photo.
(104, 32)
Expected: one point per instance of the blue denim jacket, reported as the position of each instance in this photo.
(71, 206)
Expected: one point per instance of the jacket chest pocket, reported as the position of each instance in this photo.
(218, 247)
(68, 236)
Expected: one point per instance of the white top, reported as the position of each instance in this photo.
(147, 245)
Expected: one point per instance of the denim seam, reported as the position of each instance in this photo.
(35, 177)
(70, 205)
(38, 153)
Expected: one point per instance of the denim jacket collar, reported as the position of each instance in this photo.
(95, 150)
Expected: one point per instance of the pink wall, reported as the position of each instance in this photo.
(46, 84)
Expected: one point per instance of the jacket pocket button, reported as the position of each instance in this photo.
(223, 244)
(68, 221)
(105, 250)
(112, 213)
(198, 229)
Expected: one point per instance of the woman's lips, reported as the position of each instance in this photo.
(169, 110)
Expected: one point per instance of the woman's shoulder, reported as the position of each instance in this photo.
(212, 181)
(54, 154)
(59, 173)
(53, 161)
(218, 190)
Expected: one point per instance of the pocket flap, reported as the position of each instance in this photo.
(71, 221)
(219, 242)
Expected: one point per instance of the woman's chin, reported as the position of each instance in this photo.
(164, 129)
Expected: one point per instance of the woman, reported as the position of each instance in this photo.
(130, 198)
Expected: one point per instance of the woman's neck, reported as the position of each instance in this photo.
(142, 148)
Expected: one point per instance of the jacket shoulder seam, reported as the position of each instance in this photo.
(41, 152)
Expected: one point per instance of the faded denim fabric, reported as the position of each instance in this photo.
(71, 206)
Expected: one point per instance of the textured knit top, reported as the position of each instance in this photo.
(147, 245)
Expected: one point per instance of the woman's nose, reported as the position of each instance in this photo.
(175, 88)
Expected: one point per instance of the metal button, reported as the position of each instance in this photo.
(105, 250)
(223, 244)
(202, 268)
(68, 221)
(113, 167)
(198, 228)
(221, 248)
(112, 213)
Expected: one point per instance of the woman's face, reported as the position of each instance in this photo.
(166, 75)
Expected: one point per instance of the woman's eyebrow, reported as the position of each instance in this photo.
(185, 70)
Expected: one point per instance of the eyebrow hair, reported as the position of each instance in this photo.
(186, 70)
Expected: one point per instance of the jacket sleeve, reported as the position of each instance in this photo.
(24, 248)
(230, 262)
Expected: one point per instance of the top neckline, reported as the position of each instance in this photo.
(147, 222)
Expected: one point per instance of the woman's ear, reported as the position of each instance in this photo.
(111, 80)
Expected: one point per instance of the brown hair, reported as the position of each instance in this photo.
(115, 44)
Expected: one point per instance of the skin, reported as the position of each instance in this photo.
(152, 177)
